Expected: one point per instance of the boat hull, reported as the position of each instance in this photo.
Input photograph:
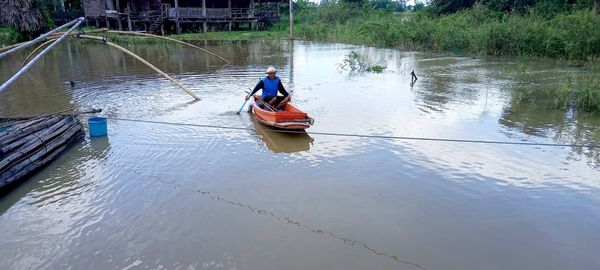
(291, 118)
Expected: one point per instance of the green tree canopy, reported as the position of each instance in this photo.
(24, 15)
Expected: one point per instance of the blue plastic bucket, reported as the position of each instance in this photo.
(97, 126)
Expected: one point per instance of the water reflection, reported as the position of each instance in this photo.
(99, 147)
(535, 115)
(531, 112)
(279, 142)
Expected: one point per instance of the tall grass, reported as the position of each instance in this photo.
(571, 35)
(581, 93)
(588, 96)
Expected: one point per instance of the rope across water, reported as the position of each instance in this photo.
(407, 138)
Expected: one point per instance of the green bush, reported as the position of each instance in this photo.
(10, 36)
(588, 96)
(571, 35)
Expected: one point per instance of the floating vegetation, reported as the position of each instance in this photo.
(576, 92)
(588, 96)
(592, 64)
(355, 63)
(582, 94)
(562, 93)
(521, 87)
(376, 68)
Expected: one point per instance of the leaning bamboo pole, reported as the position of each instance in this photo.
(94, 31)
(11, 46)
(37, 49)
(170, 39)
(51, 38)
(40, 38)
(16, 76)
(183, 87)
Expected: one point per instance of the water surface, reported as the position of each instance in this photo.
(154, 196)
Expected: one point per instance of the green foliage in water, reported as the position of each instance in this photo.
(588, 96)
(579, 92)
(521, 87)
(593, 64)
(538, 32)
(562, 93)
(376, 68)
(355, 63)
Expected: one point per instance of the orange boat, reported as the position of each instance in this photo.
(290, 118)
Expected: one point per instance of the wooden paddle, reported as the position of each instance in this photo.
(243, 106)
(267, 105)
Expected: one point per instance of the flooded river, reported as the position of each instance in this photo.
(158, 196)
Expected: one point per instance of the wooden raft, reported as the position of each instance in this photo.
(29, 144)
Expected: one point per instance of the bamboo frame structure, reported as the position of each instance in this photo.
(103, 40)
(6, 48)
(40, 38)
(28, 146)
(170, 39)
(16, 76)
(37, 49)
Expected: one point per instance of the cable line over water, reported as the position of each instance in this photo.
(406, 138)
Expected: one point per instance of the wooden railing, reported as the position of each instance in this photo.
(241, 13)
(218, 13)
(186, 13)
(211, 13)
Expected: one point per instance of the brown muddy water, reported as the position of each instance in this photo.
(153, 196)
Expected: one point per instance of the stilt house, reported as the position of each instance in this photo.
(156, 16)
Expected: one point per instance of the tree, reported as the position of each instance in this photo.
(451, 6)
(513, 5)
(390, 5)
(355, 2)
(24, 15)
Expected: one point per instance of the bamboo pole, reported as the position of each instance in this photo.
(41, 156)
(46, 124)
(101, 30)
(183, 87)
(170, 39)
(40, 38)
(50, 134)
(11, 46)
(50, 154)
(36, 49)
(24, 141)
(36, 125)
(12, 79)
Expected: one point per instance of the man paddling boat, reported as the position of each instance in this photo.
(270, 85)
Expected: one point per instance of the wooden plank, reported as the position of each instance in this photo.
(177, 28)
